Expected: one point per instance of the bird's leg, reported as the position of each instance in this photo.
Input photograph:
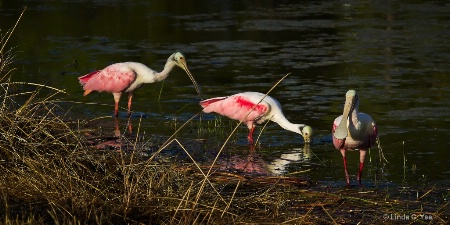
(252, 148)
(116, 103)
(116, 130)
(116, 109)
(130, 127)
(362, 157)
(130, 96)
(250, 137)
(347, 177)
(250, 134)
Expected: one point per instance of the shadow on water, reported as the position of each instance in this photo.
(396, 55)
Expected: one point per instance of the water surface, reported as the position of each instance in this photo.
(395, 54)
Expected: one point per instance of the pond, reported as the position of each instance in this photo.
(395, 54)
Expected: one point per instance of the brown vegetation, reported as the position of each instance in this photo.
(50, 173)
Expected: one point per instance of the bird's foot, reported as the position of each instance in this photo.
(116, 133)
(358, 178)
(347, 179)
(130, 128)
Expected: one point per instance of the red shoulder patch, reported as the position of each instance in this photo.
(244, 103)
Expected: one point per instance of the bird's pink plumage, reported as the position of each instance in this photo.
(350, 143)
(235, 107)
(115, 78)
(84, 79)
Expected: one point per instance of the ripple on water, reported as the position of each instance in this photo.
(419, 113)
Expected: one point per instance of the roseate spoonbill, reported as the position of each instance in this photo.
(353, 130)
(129, 76)
(240, 105)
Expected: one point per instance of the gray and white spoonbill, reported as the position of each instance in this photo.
(353, 130)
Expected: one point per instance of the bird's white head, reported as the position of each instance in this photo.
(351, 100)
(350, 93)
(179, 60)
(307, 133)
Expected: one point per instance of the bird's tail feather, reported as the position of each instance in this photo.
(207, 102)
(84, 79)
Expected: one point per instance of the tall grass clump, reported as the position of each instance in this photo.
(50, 175)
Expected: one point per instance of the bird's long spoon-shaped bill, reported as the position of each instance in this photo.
(185, 68)
(342, 130)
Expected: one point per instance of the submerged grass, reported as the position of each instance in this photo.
(52, 173)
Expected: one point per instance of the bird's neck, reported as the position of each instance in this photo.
(163, 74)
(354, 117)
(285, 124)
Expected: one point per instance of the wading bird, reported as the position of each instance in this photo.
(129, 76)
(239, 107)
(353, 130)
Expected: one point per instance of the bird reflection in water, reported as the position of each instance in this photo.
(279, 165)
(249, 164)
(253, 162)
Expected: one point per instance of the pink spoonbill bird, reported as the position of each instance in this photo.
(239, 107)
(353, 130)
(129, 76)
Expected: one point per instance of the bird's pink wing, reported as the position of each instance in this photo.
(337, 142)
(84, 79)
(114, 78)
(235, 107)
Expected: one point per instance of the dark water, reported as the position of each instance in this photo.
(395, 54)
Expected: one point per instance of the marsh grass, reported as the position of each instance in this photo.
(51, 173)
